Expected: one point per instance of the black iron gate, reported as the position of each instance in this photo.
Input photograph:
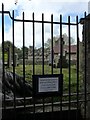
(66, 106)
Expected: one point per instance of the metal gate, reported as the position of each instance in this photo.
(65, 106)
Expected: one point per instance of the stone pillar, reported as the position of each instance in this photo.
(88, 64)
(86, 40)
(0, 83)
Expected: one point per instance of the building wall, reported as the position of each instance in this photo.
(72, 56)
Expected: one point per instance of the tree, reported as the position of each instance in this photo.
(19, 51)
(49, 42)
(25, 49)
(66, 39)
(56, 38)
(8, 44)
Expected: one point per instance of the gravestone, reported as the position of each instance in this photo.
(10, 61)
(64, 63)
(16, 60)
(9, 57)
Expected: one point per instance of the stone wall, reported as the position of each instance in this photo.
(0, 83)
(85, 66)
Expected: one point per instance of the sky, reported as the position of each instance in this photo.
(66, 8)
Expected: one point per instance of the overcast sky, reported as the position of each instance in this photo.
(48, 7)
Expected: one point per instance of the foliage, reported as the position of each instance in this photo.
(49, 41)
(5, 57)
(24, 49)
(8, 44)
(56, 38)
(66, 39)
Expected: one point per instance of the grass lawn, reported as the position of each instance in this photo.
(66, 78)
(48, 70)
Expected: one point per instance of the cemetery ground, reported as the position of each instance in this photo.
(69, 81)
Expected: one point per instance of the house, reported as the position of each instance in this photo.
(56, 52)
(65, 51)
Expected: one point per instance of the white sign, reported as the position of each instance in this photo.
(50, 84)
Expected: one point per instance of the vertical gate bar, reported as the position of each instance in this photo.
(13, 58)
(33, 57)
(43, 44)
(85, 92)
(69, 65)
(43, 50)
(52, 54)
(77, 32)
(24, 57)
(33, 44)
(61, 54)
(3, 67)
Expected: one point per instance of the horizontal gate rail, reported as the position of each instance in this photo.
(36, 21)
(64, 105)
(64, 95)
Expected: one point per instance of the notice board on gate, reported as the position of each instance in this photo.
(47, 85)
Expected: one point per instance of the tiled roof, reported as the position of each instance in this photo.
(57, 50)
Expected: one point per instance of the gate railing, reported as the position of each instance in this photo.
(71, 99)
